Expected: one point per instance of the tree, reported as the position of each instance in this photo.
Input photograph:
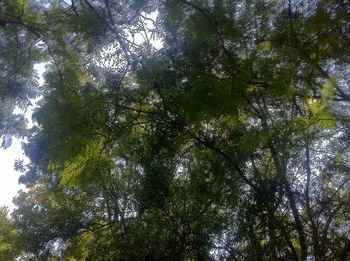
(228, 143)
(8, 237)
(19, 52)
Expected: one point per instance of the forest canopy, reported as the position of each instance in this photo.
(178, 129)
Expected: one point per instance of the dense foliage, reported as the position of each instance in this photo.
(179, 129)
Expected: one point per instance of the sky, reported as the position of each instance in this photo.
(8, 176)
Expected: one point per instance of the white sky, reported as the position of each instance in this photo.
(8, 176)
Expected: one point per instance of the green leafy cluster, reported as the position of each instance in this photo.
(228, 142)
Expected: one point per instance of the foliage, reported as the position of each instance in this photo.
(228, 142)
(8, 237)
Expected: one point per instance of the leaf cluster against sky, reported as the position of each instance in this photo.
(229, 141)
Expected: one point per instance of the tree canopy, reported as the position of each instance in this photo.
(178, 129)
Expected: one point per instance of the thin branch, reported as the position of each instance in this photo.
(19, 22)
(211, 146)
